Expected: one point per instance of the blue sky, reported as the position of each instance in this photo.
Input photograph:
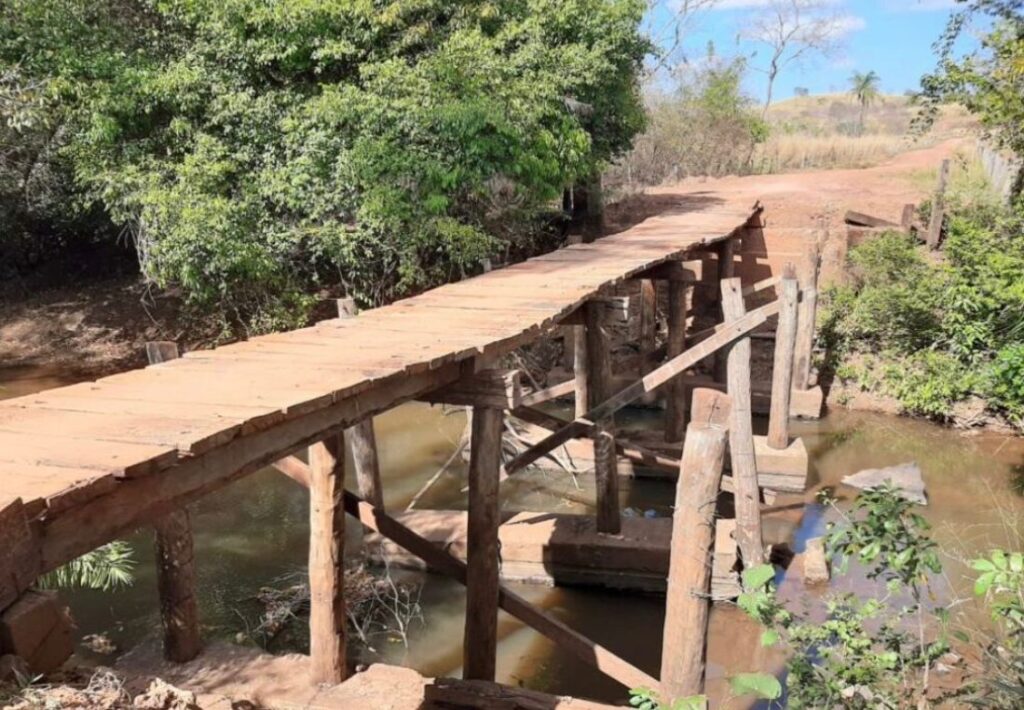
(891, 37)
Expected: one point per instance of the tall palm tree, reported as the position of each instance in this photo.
(865, 88)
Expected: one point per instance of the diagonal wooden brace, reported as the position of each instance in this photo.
(724, 334)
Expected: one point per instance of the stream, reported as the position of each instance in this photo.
(254, 533)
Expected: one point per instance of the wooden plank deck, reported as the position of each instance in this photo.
(97, 459)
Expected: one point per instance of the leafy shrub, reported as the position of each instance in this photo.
(260, 149)
(941, 331)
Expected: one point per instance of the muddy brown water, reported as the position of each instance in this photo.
(253, 533)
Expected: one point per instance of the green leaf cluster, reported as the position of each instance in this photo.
(933, 332)
(108, 567)
(259, 149)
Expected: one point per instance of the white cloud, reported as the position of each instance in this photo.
(749, 4)
(845, 24)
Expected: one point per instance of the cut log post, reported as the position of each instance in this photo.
(568, 347)
(806, 319)
(684, 640)
(361, 438)
(938, 207)
(648, 323)
(175, 570)
(726, 269)
(479, 656)
(782, 365)
(907, 218)
(741, 434)
(599, 377)
(581, 367)
(675, 402)
(326, 561)
(363, 442)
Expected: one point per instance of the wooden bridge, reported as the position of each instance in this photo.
(82, 465)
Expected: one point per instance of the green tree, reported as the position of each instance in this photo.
(988, 81)
(259, 149)
(864, 87)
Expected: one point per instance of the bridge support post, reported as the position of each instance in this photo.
(175, 559)
(648, 323)
(599, 379)
(726, 269)
(741, 434)
(684, 640)
(808, 313)
(361, 438)
(363, 442)
(580, 369)
(480, 641)
(675, 411)
(326, 561)
(782, 366)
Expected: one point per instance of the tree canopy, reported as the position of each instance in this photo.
(258, 148)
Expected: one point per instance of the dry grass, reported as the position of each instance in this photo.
(799, 151)
(823, 132)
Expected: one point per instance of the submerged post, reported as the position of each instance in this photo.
(741, 434)
(675, 405)
(326, 561)
(175, 562)
(782, 365)
(599, 375)
(684, 639)
(480, 641)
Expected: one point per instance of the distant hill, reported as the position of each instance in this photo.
(832, 114)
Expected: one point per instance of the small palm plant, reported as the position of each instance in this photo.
(864, 87)
(107, 567)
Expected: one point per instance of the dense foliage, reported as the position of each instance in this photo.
(258, 148)
(930, 331)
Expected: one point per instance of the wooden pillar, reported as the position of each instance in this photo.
(326, 561)
(175, 562)
(907, 218)
(581, 369)
(361, 438)
(480, 642)
(363, 442)
(741, 434)
(648, 323)
(599, 376)
(675, 410)
(726, 269)
(782, 365)
(684, 640)
(806, 320)
(938, 207)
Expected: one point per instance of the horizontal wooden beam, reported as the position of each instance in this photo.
(295, 468)
(723, 335)
(499, 389)
(542, 622)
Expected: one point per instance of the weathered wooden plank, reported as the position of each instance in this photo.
(20, 558)
(119, 459)
(684, 639)
(53, 489)
(741, 433)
